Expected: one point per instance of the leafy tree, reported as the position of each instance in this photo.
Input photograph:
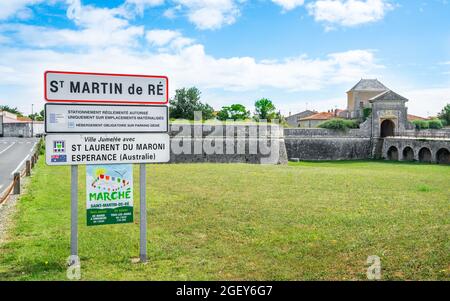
(445, 114)
(235, 112)
(265, 109)
(186, 102)
(37, 116)
(11, 110)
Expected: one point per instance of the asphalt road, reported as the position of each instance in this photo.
(13, 154)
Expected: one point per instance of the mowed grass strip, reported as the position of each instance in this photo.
(243, 222)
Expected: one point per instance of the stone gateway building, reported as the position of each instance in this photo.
(384, 132)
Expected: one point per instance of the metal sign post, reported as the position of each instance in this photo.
(74, 211)
(142, 213)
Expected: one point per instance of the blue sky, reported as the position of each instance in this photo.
(301, 54)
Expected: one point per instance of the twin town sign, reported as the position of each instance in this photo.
(83, 149)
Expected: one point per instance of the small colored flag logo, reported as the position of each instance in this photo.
(59, 158)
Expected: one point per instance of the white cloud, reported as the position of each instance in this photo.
(140, 5)
(348, 12)
(211, 14)
(161, 37)
(104, 41)
(16, 8)
(427, 102)
(98, 27)
(188, 66)
(167, 38)
(289, 4)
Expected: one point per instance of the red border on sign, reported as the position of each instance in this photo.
(106, 101)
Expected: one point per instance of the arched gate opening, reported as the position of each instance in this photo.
(387, 128)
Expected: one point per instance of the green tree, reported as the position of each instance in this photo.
(445, 114)
(11, 110)
(186, 102)
(235, 112)
(265, 109)
(37, 116)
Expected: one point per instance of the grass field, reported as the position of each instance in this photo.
(237, 221)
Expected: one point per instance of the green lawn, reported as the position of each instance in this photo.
(237, 221)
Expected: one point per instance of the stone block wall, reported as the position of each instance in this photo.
(16, 130)
(227, 144)
(328, 148)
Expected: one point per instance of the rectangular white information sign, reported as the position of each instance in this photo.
(89, 118)
(62, 86)
(83, 149)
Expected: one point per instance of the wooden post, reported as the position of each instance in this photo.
(28, 168)
(32, 162)
(16, 183)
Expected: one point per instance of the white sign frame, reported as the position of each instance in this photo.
(61, 81)
(61, 112)
(60, 148)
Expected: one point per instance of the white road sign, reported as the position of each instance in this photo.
(61, 86)
(75, 149)
(88, 118)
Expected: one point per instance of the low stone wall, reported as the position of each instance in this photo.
(16, 130)
(318, 132)
(227, 144)
(428, 133)
(328, 148)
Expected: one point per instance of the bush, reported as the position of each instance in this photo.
(444, 122)
(421, 124)
(339, 124)
(435, 124)
(351, 124)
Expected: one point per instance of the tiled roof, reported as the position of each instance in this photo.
(369, 85)
(319, 116)
(302, 114)
(414, 117)
(23, 118)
